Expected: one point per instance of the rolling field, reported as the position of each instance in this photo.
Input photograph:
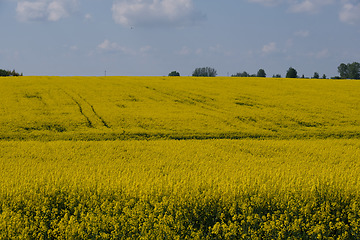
(179, 158)
(79, 108)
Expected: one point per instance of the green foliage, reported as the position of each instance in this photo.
(5, 73)
(204, 72)
(349, 71)
(316, 75)
(261, 73)
(174, 74)
(243, 74)
(291, 73)
(342, 69)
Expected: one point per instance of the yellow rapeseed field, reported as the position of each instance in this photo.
(179, 158)
(97, 108)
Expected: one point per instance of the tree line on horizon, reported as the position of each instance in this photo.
(346, 71)
(7, 73)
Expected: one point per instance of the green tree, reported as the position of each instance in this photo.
(291, 73)
(239, 74)
(324, 76)
(261, 73)
(316, 75)
(354, 70)
(174, 74)
(277, 76)
(349, 71)
(343, 70)
(204, 72)
(5, 73)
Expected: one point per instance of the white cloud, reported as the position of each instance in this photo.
(56, 10)
(349, 10)
(305, 6)
(298, 6)
(309, 6)
(51, 10)
(31, 10)
(268, 48)
(108, 46)
(350, 13)
(151, 12)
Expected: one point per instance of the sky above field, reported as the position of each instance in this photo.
(155, 37)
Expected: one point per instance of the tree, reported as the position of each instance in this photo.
(204, 72)
(174, 74)
(261, 73)
(277, 76)
(354, 70)
(342, 69)
(316, 75)
(291, 73)
(243, 74)
(5, 73)
(324, 76)
(349, 71)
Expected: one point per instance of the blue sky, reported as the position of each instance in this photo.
(155, 37)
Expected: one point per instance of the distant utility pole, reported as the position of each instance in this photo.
(105, 73)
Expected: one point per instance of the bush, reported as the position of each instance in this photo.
(174, 74)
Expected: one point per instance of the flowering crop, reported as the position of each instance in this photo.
(98, 108)
(185, 189)
(179, 158)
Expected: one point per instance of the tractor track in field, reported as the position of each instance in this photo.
(95, 113)
(188, 98)
(89, 123)
(87, 110)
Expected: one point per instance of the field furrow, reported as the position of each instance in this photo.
(76, 101)
(87, 111)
